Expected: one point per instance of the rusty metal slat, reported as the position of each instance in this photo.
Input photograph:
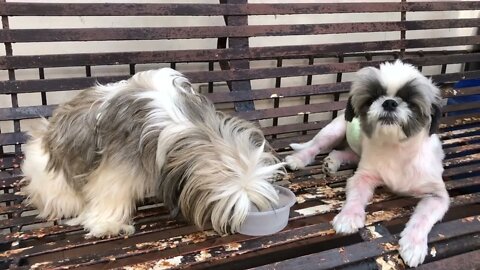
(464, 169)
(320, 124)
(8, 197)
(13, 138)
(27, 220)
(361, 251)
(32, 219)
(15, 208)
(61, 245)
(26, 112)
(336, 257)
(61, 60)
(441, 6)
(317, 125)
(293, 110)
(454, 77)
(20, 138)
(448, 142)
(97, 9)
(461, 149)
(193, 32)
(461, 107)
(233, 75)
(271, 93)
(457, 133)
(462, 160)
(465, 182)
(469, 260)
(458, 120)
(119, 9)
(451, 92)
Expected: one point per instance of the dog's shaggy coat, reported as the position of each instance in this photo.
(113, 145)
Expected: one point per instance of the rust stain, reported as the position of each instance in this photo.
(433, 252)
(41, 265)
(162, 264)
(202, 256)
(384, 215)
(13, 252)
(389, 246)
(232, 246)
(468, 219)
(390, 262)
(373, 232)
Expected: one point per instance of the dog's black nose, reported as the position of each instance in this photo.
(389, 105)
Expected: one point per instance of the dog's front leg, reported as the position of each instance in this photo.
(413, 244)
(360, 188)
(327, 139)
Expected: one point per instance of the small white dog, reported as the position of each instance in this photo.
(113, 145)
(390, 121)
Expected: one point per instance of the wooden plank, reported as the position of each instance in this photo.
(46, 85)
(469, 260)
(292, 110)
(196, 32)
(253, 53)
(361, 251)
(30, 112)
(64, 9)
(120, 9)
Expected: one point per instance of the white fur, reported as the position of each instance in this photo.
(48, 189)
(410, 166)
(110, 202)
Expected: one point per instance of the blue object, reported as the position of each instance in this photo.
(467, 99)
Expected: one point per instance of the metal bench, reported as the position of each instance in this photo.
(230, 74)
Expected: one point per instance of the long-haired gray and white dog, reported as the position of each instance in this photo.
(395, 110)
(113, 145)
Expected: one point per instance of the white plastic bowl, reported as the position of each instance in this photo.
(269, 222)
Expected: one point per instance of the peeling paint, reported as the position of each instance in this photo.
(202, 256)
(9, 253)
(384, 215)
(373, 232)
(468, 219)
(319, 209)
(39, 265)
(232, 246)
(167, 263)
(390, 262)
(433, 252)
(389, 246)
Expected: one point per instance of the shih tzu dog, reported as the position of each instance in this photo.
(113, 145)
(389, 126)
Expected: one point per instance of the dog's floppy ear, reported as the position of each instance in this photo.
(436, 115)
(349, 112)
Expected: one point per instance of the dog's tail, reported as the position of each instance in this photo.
(248, 192)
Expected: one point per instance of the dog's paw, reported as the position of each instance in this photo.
(348, 221)
(331, 165)
(107, 229)
(74, 221)
(413, 247)
(294, 163)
